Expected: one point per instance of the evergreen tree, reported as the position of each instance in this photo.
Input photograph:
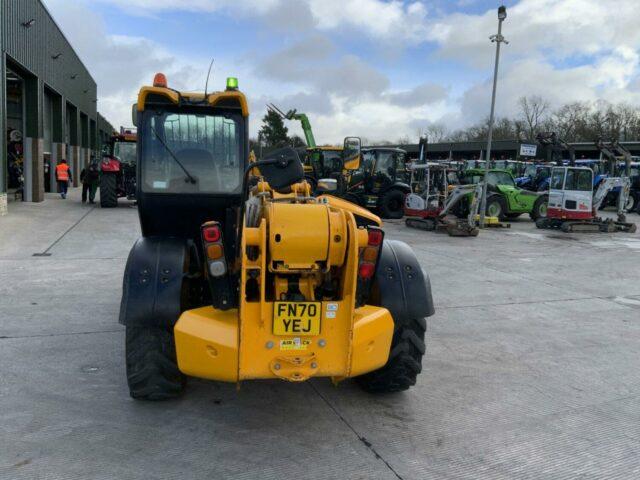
(297, 142)
(273, 131)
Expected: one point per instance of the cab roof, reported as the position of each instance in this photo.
(226, 99)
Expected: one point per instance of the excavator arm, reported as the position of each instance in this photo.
(608, 184)
(302, 118)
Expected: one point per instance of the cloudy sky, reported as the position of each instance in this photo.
(374, 68)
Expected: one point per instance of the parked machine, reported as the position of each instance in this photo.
(535, 177)
(429, 211)
(118, 168)
(620, 162)
(433, 197)
(505, 200)
(378, 182)
(573, 202)
(381, 183)
(242, 274)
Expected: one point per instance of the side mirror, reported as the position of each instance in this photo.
(134, 114)
(281, 168)
(327, 185)
(351, 153)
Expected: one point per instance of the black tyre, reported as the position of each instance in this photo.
(496, 207)
(391, 204)
(405, 359)
(540, 208)
(108, 194)
(152, 369)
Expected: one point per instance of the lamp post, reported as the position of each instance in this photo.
(497, 39)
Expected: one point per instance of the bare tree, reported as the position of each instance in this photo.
(570, 121)
(533, 111)
(436, 132)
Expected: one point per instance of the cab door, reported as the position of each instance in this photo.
(577, 201)
(556, 192)
(571, 193)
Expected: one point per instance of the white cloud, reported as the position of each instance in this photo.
(558, 29)
(562, 50)
(395, 21)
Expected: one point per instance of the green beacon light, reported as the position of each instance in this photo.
(232, 83)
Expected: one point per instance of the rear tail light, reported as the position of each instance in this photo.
(211, 233)
(214, 249)
(367, 264)
(214, 252)
(370, 254)
(375, 237)
(217, 269)
(366, 270)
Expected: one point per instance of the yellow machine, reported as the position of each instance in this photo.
(242, 274)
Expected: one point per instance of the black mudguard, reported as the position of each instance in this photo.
(403, 187)
(401, 285)
(153, 281)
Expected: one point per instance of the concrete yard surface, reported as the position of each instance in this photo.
(532, 368)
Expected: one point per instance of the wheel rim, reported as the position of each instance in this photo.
(542, 210)
(494, 209)
(631, 202)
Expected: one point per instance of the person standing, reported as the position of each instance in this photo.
(90, 177)
(63, 177)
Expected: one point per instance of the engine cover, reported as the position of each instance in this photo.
(305, 237)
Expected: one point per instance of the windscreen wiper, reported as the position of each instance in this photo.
(190, 178)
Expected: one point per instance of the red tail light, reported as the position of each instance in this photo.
(213, 249)
(375, 237)
(367, 263)
(369, 255)
(211, 233)
(366, 270)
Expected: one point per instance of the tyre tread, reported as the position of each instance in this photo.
(405, 360)
(108, 194)
(152, 370)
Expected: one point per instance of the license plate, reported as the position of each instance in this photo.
(296, 318)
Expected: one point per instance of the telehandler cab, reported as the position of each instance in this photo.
(241, 274)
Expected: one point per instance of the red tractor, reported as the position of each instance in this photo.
(118, 168)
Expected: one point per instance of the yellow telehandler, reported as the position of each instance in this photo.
(241, 274)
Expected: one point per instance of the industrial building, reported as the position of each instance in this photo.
(48, 103)
(507, 149)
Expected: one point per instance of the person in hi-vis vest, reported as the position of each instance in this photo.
(63, 177)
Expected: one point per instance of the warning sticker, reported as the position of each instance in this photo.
(294, 344)
(332, 307)
(330, 315)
